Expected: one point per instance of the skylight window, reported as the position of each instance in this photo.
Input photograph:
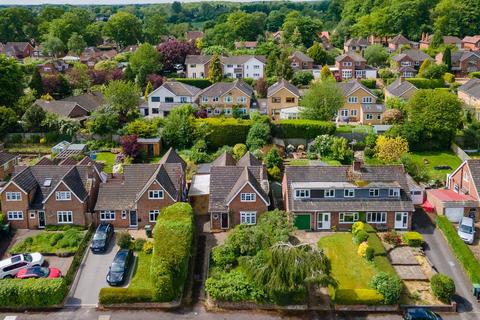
(47, 182)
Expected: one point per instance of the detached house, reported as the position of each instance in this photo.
(17, 50)
(136, 197)
(222, 97)
(197, 66)
(463, 62)
(8, 162)
(355, 44)
(469, 93)
(409, 61)
(168, 96)
(249, 45)
(353, 65)
(398, 41)
(447, 40)
(43, 195)
(400, 88)
(301, 61)
(471, 43)
(326, 197)
(281, 95)
(360, 104)
(238, 191)
(246, 66)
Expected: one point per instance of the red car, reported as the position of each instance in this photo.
(39, 272)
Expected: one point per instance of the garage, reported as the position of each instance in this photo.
(302, 221)
(454, 214)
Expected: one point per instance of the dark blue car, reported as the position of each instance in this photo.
(102, 237)
(118, 271)
(420, 314)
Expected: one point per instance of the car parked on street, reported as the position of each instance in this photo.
(420, 314)
(39, 272)
(466, 230)
(102, 237)
(10, 267)
(118, 271)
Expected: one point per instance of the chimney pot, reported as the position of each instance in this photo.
(357, 165)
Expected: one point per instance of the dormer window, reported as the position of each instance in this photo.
(394, 193)
(302, 193)
(349, 193)
(155, 194)
(63, 195)
(374, 192)
(14, 196)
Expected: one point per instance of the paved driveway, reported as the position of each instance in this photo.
(91, 277)
(439, 253)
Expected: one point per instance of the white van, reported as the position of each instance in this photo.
(466, 230)
(9, 267)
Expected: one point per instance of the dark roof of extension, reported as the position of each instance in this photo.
(225, 159)
(471, 87)
(248, 160)
(59, 107)
(6, 157)
(171, 156)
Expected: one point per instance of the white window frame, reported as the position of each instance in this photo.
(302, 193)
(63, 195)
(376, 217)
(465, 176)
(204, 98)
(342, 215)
(329, 193)
(456, 188)
(14, 215)
(248, 197)
(107, 215)
(31, 214)
(124, 215)
(352, 99)
(64, 214)
(344, 112)
(241, 99)
(369, 116)
(347, 74)
(353, 112)
(248, 217)
(394, 192)
(155, 194)
(348, 193)
(374, 192)
(215, 99)
(227, 111)
(14, 196)
(367, 100)
(154, 214)
(228, 99)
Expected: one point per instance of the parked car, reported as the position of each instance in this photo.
(120, 267)
(39, 272)
(420, 314)
(466, 230)
(102, 237)
(9, 267)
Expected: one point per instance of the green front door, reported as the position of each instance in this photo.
(302, 221)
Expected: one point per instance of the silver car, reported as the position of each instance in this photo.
(466, 230)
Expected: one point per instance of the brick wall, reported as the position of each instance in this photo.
(236, 206)
(144, 205)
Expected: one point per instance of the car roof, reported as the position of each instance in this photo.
(121, 254)
(467, 220)
(9, 261)
(417, 311)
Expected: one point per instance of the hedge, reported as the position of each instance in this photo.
(199, 83)
(305, 129)
(357, 296)
(32, 292)
(77, 259)
(124, 295)
(413, 239)
(460, 249)
(172, 245)
(422, 83)
(225, 131)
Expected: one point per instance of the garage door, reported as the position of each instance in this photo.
(454, 214)
(302, 221)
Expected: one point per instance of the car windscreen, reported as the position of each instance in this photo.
(465, 228)
(40, 271)
(100, 236)
(117, 267)
(28, 257)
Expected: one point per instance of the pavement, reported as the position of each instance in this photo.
(91, 278)
(439, 253)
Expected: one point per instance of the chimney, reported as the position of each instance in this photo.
(401, 79)
(357, 165)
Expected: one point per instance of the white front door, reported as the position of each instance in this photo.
(323, 221)
(401, 220)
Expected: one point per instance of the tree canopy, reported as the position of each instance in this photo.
(322, 100)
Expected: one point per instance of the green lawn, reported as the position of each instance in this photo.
(437, 158)
(51, 242)
(108, 159)
(298, 162)
(348, 268)
(345, 128)
(141, 273)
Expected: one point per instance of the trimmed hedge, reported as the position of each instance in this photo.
(172, 246)
(124, 295)
(305, 129)
(422, 83)
(199, 83)
(77, 259)
(32, 292)
(413, 239)
(443, 287)
(460, 249)
(357, 296)
(225, 131)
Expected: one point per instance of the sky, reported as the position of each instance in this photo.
(39, 2)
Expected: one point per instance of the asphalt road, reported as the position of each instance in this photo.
(91, 278)
(439, 253)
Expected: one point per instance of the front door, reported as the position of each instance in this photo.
(401, 220)
(41, 219)
(323, 220)
(133, 219)
(150, 150)
(225, 220)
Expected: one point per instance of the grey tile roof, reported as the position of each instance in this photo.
(59, 107)
(414, 54)
(248, 159)
(372, 174)
(399, 39)
(180, 89)
(399, 87)
(197, 59)
(471, 87)
(353, 55)
(351, 86)
(225, 159)
(6, 157)
(88, 101)
(474, 166)
(171, 156)
(241, 59)
(221, 88)
(356, 42)
(302, 56)
(280, 85)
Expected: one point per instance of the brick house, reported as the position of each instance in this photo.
(355, 44)
(17, 50)
(360, 104)
(447, 40)
(281, 95)
(461, 196)
(8, 162)
(471, 43)
(400, 40)
(409, 61)
(51, 195)
(469, 93)
(300, 61)
(135, 198)
(400, 88)
(238, 191)
(353, 65)
(325, 197)
(197, 66)
(463, 62)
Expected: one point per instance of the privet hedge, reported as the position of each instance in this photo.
(172, 234)
(357, 296)
(225, 131)
(305, 129)
(124, 295)
(32, 292)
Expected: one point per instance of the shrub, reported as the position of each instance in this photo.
(422, 83)
(3, 218)
(124, 295)
(15, 138)
(225, 131)
(138, 244)
(448, 77)
(274, 173)
(305, 129)
(199, 83)
(224, 256)
(357, 296)
(369, 253)
(413, 239)
(463, 253)
(443, 287)
(389, 286)
(32, 292)
(362, 249)
(148, 247)
(392, 237)
(358, 226)
(369, 83)
(233, 286)
(475, 74)
(360, 237)
(124, 240)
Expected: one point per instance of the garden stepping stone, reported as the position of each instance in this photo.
(402, 256)
(406, 272)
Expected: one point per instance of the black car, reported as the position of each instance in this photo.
(102, 237)
(420, 314)
(118, 271)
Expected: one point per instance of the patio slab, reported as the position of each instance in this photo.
(406, 272)
(402, 256)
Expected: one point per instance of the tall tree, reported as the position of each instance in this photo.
(154, 26)
(174, 52)
(179, 128)
(17, 24)
(11, 81)
(423, 67)
(376, 55)
(8, 121)
(447, 58)
(215, 73)
(124, 28)
(325, 73)
(322, 101)
(123, 97)
(144, 61)
(32, 119)
(53, 46)
(36, 83)
(283, 67)
(76, 44)
(318, 54)
(78, 77)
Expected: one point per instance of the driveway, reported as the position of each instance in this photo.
(91, 277)
(442, 258)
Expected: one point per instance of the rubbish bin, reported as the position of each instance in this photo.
(148, 230)
(476, 290)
